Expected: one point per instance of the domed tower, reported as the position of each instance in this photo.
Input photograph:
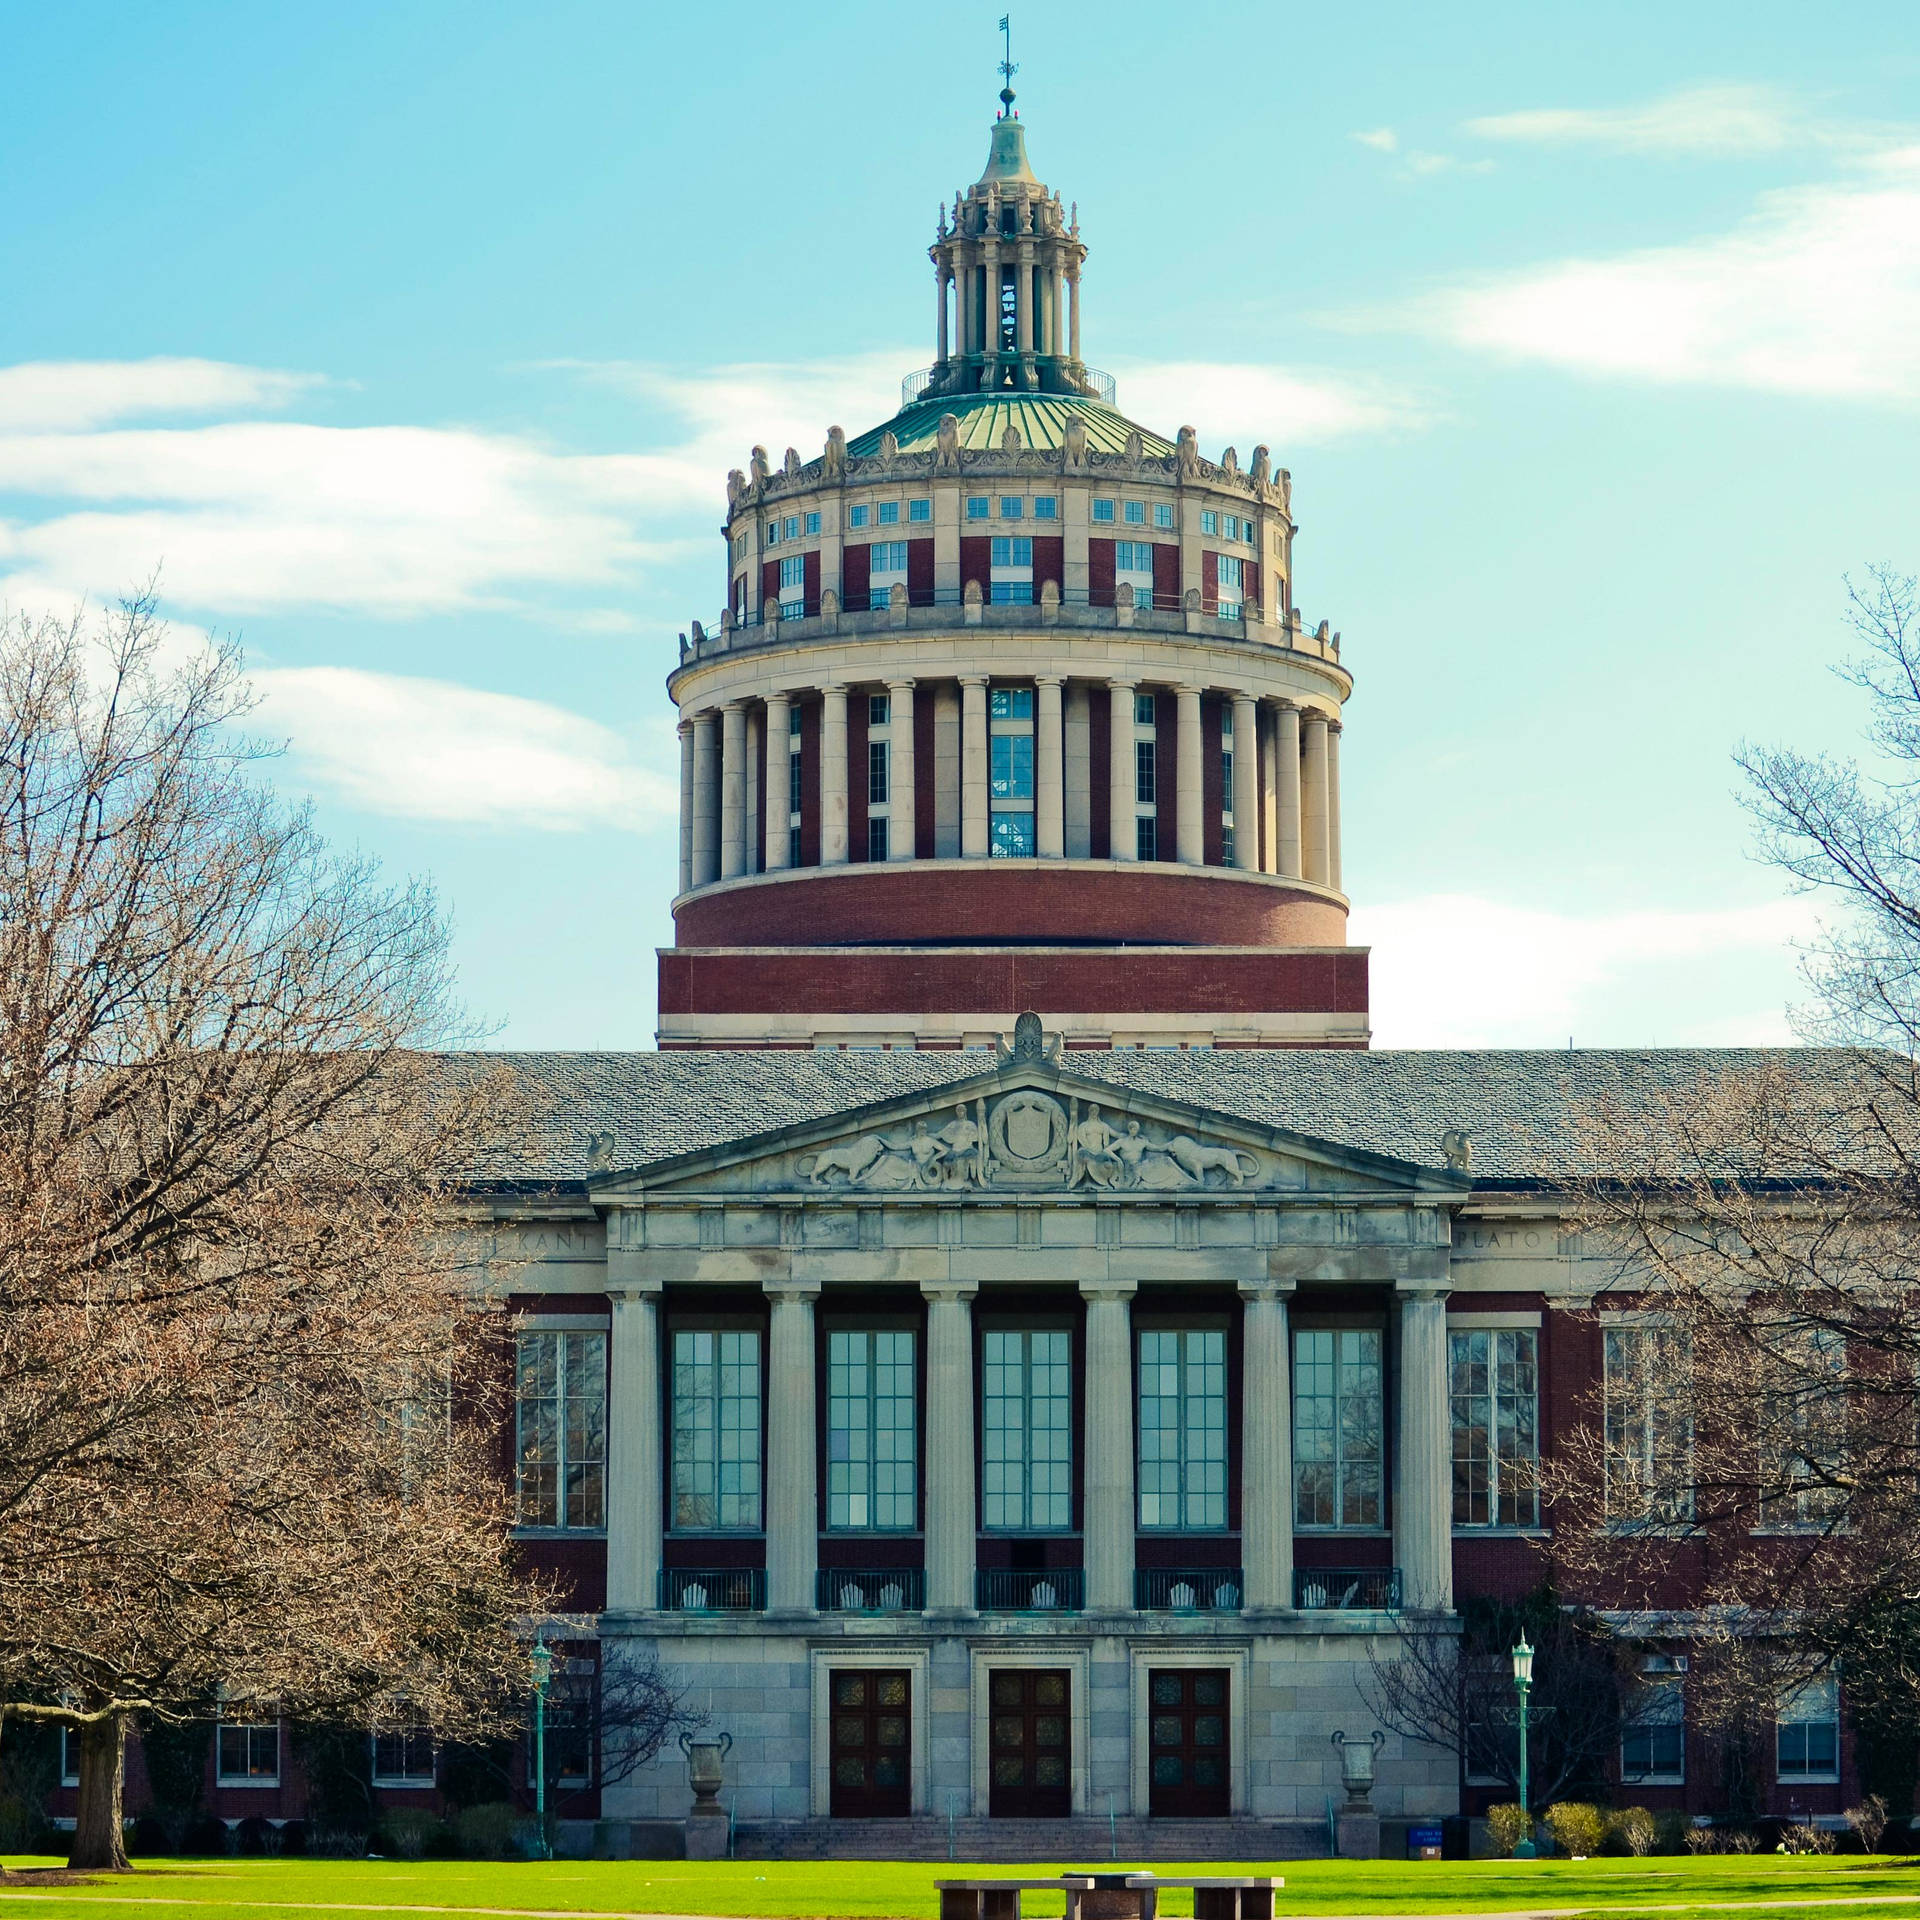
(1010, 708)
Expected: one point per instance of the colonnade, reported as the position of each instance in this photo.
(1285, 792)
(1422, 1502)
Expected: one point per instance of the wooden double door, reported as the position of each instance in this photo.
(871, 1736)
(1030, 1736)
(1187, 1743)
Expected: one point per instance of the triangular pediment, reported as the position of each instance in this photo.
(1030, 1128)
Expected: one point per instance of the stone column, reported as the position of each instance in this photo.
(1049, 770)
(1056, 318)
(1190, 845)
(900, 794)
(1333, 804)
(793, 1505)
(1120, 771)
(1073, 309)
(779, 778)
(1108, 1473)
(752, 813)
(1266, 1444)
(1023, 299)
(733, 789)
(951, 1506)
(973, 766)
(1313, 797)
(634, 1474)
(833, 776)
(1423, 1491)
(706, 801)
(1269, 798)
(685, 730)
(940, 302)
(1286, 753)
(1246, 782)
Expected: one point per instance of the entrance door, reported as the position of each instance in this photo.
(871, 1714)
(1030, 1744)
(1188, 1739)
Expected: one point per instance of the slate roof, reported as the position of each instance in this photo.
(1041, 417)
(1523, 1109)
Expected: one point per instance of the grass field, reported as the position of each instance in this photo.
(1771, 1886)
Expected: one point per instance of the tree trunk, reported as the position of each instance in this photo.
(99, 1834)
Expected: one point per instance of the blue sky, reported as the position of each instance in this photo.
(413, 343)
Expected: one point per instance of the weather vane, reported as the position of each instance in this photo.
(1007, 67)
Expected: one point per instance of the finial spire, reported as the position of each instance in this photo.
(1007, 67)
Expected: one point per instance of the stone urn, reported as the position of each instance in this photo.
(706, 1770)
(1357, 1831)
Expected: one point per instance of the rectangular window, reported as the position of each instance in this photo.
(1144, 781)
(856, 516)
(1012, 550)
(1011, 837)
(1026, 1428)
(876, 837)
(870, 1431)
(876, 773)
(793, 571)
(249, 1754)
(790, 527)
(716, 1430)
(1226, 778)
(1012, 593)
(1807, 1732)
(1209, 523)
(878, 711)
(1653, 1739)
(1146, 838)
(1230, 525)
(1133, 556)
(773, 533)
(1046, 507)
(887, 556)
(919, 509)
(1144, 709)
(1226, 844)
(979, 507)
(1494, 1384)
(1136, 513)
(70, 1756)
(793, 783)
(402, 1757)
(1336, 1427)
(813, 523)
(561, 1429)
(1183, 1428)
(571, 1692)
(1162, 515)
(1803, 1431)
(1230, 576)
(1012, 507)
(793, 846)
(1649, 1434)
(889, 513)
(1010, 703)
(1010, 775)
(1103, 510)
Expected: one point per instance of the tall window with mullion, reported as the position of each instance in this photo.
(1337, 1425)
(1493, 1379)
(1026, 1429)
(871, 1482)
(1182, 1428)
(1803, 1428)
(716, 1430)
(1645, 1368)
(561, 1429)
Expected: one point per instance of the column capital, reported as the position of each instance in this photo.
(1310, 714)
(973, 679)
(1100, 1287)
(1336, 726)
(732, 706)
(1049, 679)
(624, 1292)
(684, 725)
(1120, 684)
(1184, 687)
(804, 1290)
(949, 1289)
(1280, 702)
(834, 686)
(1422, 1289)
(1270, 1287)
(903, 685)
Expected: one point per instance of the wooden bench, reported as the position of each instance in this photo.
(1112, 1896)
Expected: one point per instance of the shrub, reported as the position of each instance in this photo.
(406, 1831)
(1507, 1826)
(1869, 1821)
(1805, 1838)
(206, 1835)
(1578, 1828)
(146, 1837)
(337, 1843)
(1674, 1828)
(486, 1831)
(255, 1835)
(1634, 1830)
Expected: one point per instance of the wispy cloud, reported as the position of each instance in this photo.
(1817, 292)
(1456, 970)
(1722, 119)
(431, 750)
(1246, 404)
(73, 395)
(1416, 163)
(1380, 139)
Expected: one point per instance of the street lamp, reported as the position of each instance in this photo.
(1523, 1685)
(542, 1673)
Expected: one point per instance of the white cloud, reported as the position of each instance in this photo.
(430, 750)
(1380, 139)
(40, 396)
(1246, 405)
(1723, 119)
(1817, 292)
(1454, 970)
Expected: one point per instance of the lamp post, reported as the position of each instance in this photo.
(542, 1673)
(1523, 1685)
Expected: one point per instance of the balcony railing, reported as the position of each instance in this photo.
(1188, 1589)
(1347, 1589)
(870, 1589)
(713, 1589)
(1093, 382)
(1000, 1590)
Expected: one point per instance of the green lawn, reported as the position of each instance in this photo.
(821, 1890)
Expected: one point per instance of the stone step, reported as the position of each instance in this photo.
(1088, 1842)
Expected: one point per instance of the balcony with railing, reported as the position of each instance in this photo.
(1346, 1589)
(1188, 1589)
(870, 1589)
(713, 1589)
(1053, 1590)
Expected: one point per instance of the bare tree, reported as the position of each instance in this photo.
(234, 1329)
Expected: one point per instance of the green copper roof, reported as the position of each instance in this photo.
(1007, 157)
(984, 417)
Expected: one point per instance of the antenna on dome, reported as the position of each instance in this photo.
(1007, 67)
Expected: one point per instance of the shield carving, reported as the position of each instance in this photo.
(1029, 1132)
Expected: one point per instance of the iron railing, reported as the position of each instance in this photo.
(870, 1589)
(1058, 1590)
(1188, 1589)
(1347, 1589)
(713, 1589)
